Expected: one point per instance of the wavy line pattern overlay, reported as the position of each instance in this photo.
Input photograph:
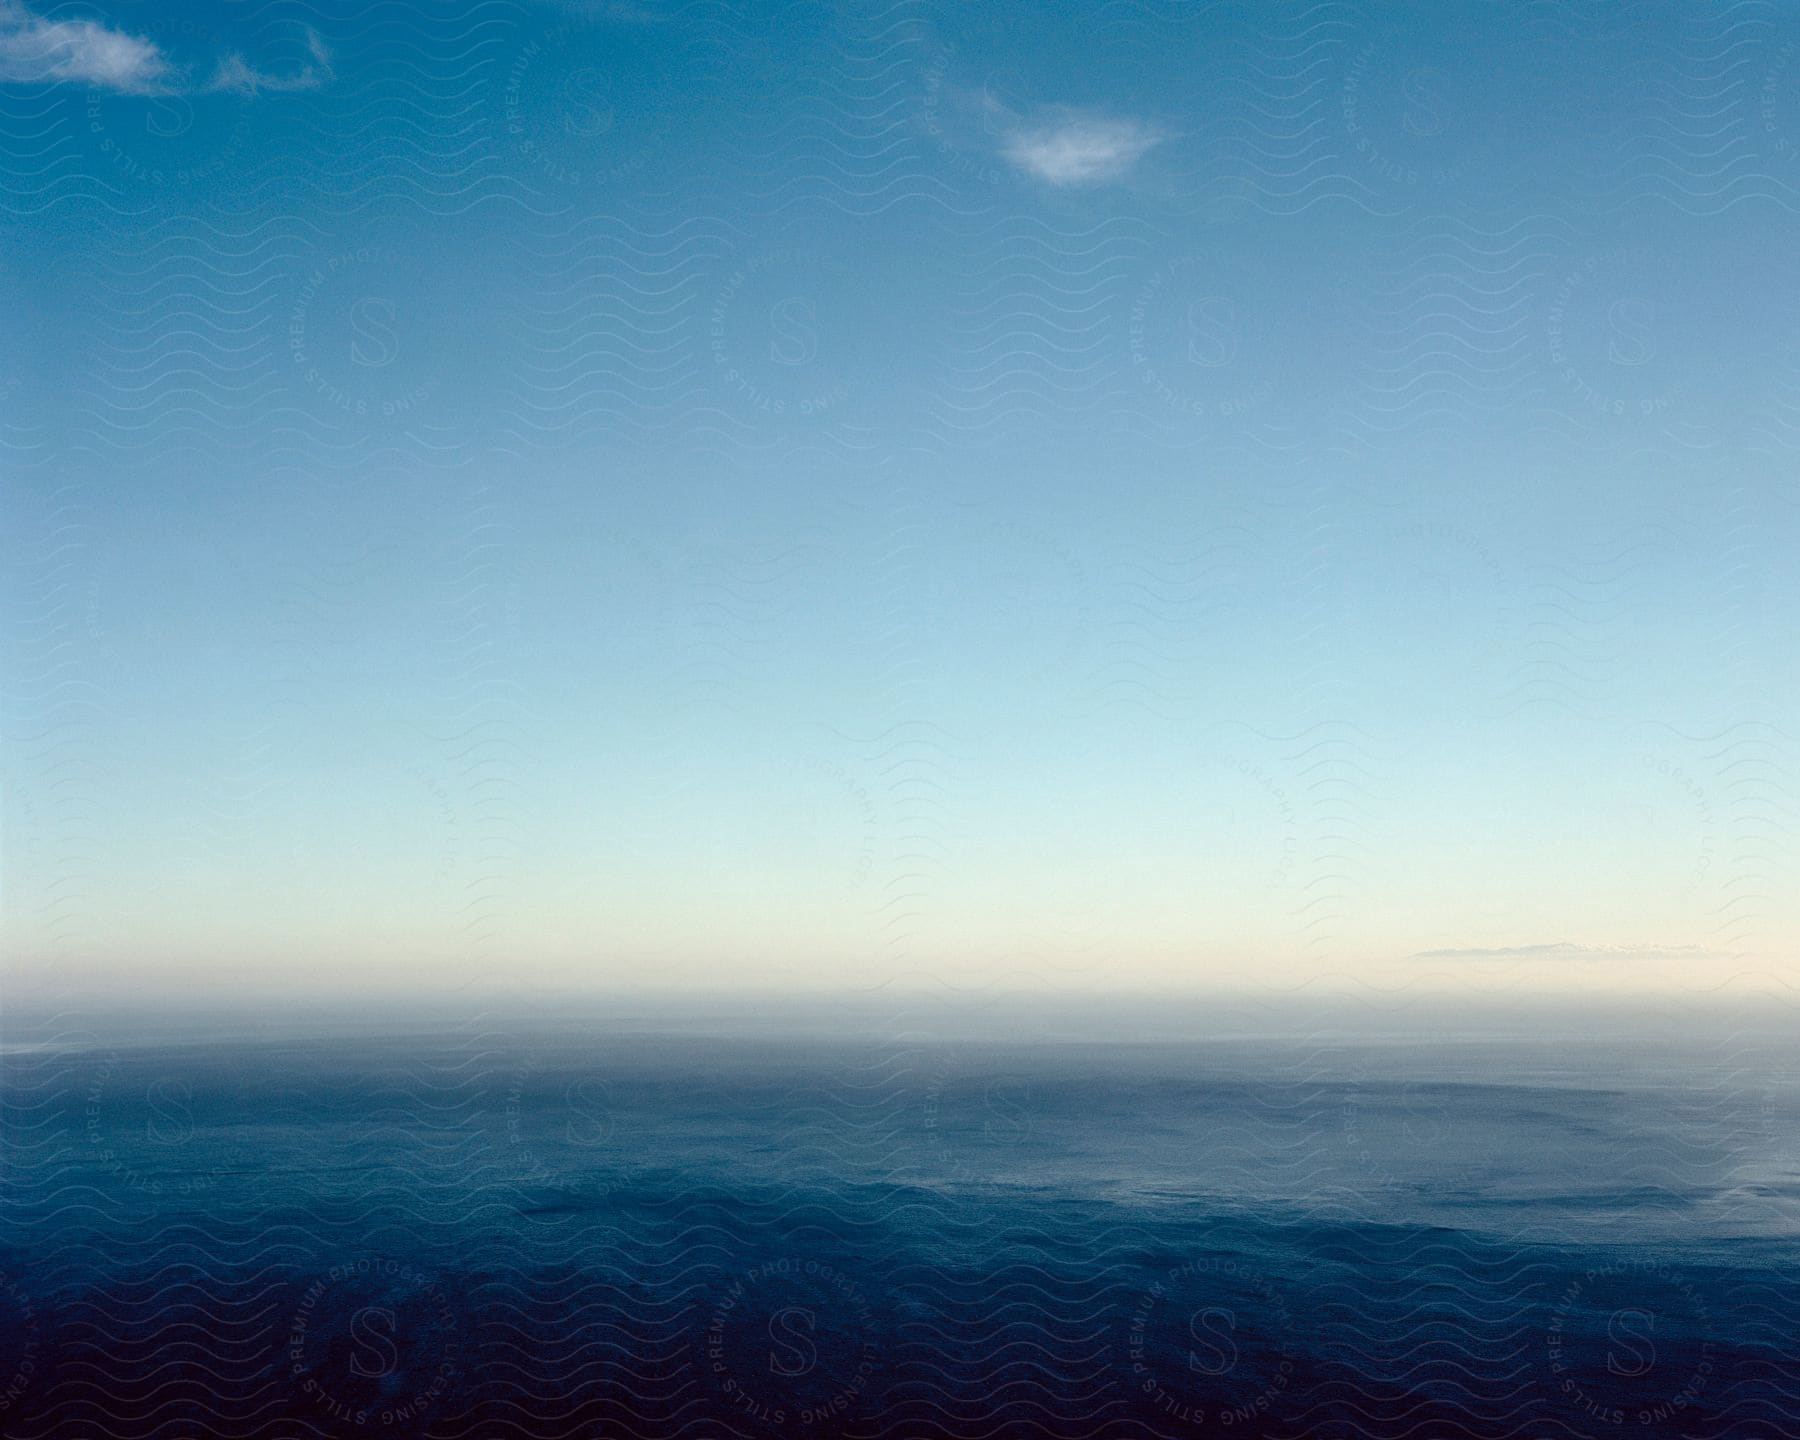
(969, 503)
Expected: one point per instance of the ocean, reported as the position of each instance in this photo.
(475, 1230)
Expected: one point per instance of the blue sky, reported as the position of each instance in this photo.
(639, 496)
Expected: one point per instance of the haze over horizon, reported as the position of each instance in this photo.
(625, 498)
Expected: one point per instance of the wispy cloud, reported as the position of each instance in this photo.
(1562, 950)
(37, 50)
(34, 49)
(1067, 147)
(239, 76)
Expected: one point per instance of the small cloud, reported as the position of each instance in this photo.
(1562, 950)
(1071, 147)
(238, 76)
(36, 50)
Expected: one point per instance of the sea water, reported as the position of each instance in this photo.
(475, 1231)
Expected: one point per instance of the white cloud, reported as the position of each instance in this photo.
(239, 76)
(1071, 147)
(1563, 950)
(33, 49)
(37, 50)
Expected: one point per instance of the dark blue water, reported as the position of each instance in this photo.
(486, 1234)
